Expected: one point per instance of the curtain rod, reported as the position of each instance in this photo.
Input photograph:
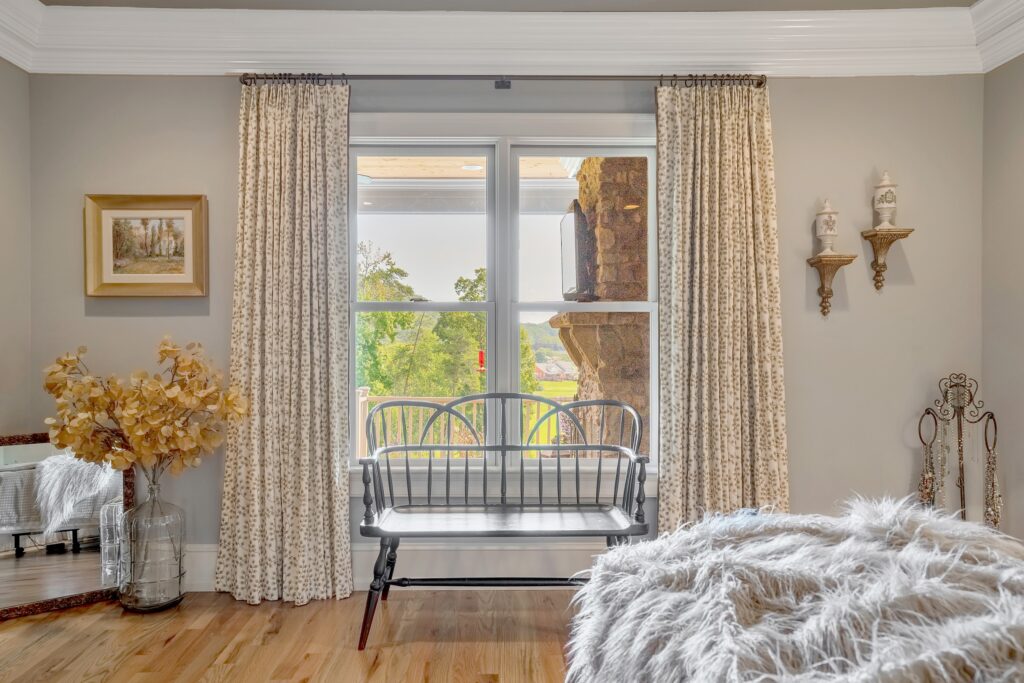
(505, 82)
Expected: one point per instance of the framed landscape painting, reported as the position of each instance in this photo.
(145, 245)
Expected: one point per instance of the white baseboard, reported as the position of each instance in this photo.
(200, 565)
(485, 557)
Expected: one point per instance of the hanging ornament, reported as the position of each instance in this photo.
(993, 499)
(926, 488)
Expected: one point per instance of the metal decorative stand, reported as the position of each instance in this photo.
(959, 406)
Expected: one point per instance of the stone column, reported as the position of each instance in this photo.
(613, 196)
(612, 350)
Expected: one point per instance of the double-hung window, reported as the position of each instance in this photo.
(498, 266)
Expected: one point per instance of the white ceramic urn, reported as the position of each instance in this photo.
(885, 201)
(826, 227)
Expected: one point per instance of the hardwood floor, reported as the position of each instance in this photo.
(37, 576)
(492, 636)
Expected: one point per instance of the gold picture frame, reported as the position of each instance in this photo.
(146, 245)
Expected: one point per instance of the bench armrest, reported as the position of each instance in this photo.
(371, 473)
(635, 457)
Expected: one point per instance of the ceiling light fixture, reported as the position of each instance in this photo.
(630, 207)
(472, 167)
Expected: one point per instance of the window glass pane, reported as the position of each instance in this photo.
(423, 219)
(582, 228)
(432, 355)
(581, 356)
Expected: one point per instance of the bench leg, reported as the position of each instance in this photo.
(18, 550)
(76, 547)
(616, 540)
(390, 573)
(376, 587)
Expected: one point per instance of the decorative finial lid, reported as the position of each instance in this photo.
(886, 181)
(826, 207)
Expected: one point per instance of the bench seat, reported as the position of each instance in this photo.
(503, 520)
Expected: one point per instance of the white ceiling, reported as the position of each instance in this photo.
(526, 5)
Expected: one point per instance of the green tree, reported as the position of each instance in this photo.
(464, 335)
(423, 354)
(379, 278)
(124, 245)
(412, 366)
(528, 383)
(472, 289)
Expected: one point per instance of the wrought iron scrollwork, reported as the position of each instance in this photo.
(958, 405)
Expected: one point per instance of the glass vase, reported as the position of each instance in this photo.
(153, 553)
(111, 517)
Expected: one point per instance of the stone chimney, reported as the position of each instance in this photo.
(613, 196)
(612, 350)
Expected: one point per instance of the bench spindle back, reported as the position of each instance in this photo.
(486, 436)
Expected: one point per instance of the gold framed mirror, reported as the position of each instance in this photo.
(51, 555)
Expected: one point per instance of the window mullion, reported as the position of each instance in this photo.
(505, 264)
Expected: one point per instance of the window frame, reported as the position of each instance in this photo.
(650, 306)
(503, 152)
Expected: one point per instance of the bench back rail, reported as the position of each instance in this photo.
(501, 449)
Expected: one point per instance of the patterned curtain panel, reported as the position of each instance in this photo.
(722, 400)
(284, 517)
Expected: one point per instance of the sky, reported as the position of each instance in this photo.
(437, 249)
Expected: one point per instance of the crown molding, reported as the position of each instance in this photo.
(20, 21)
(999, 30)
(110, 40)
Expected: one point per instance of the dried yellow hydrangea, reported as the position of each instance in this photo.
(164, 421)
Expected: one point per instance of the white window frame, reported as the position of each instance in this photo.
(503, 139)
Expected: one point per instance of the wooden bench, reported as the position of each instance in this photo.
(498, 465)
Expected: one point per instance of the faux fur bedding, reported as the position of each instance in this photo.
(887, 592)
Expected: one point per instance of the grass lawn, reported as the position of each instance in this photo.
(153, 265)
(566, 389)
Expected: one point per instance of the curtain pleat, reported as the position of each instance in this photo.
(722, 399)
(284, 515)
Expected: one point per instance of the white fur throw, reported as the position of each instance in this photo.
(62, 481)
(887, 592)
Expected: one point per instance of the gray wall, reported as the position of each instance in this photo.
(131, 136)
(1004, 276)
(18, 378)
(855, 382)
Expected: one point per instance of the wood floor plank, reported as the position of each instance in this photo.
(492, 636)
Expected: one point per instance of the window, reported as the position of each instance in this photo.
(502, 268)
